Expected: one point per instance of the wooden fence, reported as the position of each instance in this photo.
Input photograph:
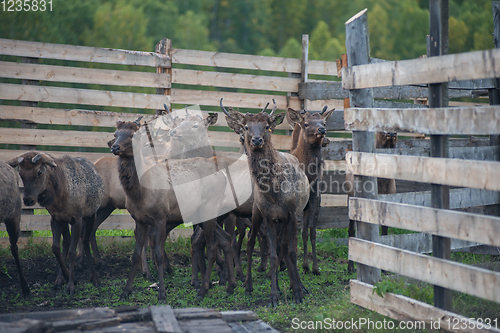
(38, 113)
(422, 212)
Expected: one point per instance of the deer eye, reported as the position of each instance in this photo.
(306, 125)
(39, 172)
(246, 128)
(195, 126)
(267, 127)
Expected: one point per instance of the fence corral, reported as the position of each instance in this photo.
(433, 165)
(43, 120)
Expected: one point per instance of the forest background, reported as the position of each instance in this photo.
(263, 27)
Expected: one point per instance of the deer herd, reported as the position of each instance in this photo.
(168, 176)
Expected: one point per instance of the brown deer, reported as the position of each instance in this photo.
(71, 190)
(280, 191)
(10, 214)
(152, 202)
(308, 134)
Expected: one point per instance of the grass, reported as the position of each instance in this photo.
(328, 298)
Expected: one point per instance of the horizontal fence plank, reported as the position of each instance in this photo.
(474, 281)
(82, 53)
(481, 120)
(321, 67)
(7, 154)
(83, 75)
(333, 89)
(446, 68)
(459, 198)
(447, 223)
(445, 171)
(236, 100)
(484, 153)
(100, 139)
(233, 80)
(81, 96)
(333, 200)
(404, 308)
(329, 218)
(64, 116)
(232, 60)
(42, 223)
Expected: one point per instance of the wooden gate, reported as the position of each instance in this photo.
(438, 121)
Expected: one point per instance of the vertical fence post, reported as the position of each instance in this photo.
(358, 53)
(28, 125)
(305, 59)
(164, 47)
(438, 97)
(494, 93)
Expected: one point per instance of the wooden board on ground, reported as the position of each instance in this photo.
(408, 310)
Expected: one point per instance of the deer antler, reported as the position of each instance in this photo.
(138, 121)
(167, 110)
(324, 109)
(224, 109)
(275, 106)
(265, 108)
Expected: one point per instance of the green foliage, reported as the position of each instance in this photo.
(397, 29)
(421, 292)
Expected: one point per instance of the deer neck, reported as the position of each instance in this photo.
(310, 158)
(128, 176)
(263, 164)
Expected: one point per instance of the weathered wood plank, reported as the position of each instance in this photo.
(24, 326)
(231, 316)
(81, 96)
(233, 80)
(453, 67)
(164, 319)
(64, 116)
(403, 308)
(83, 75)
(322, 68)
(459, 198)
(481, 120)
(445, 171)
(82, 53)
(93, 313)
(446, 223)
(432, 270)
(333, 89)
(232, 60)
(484, 153)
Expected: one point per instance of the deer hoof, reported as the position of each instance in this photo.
(306, 269)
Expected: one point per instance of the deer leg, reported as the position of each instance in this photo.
(224, 239)
(314, 206)
(198, 256)
(291, 256)
(76, 232)
(101, 216)
(88, 231)
(305, 234)
(256, 223)
(241, 229)
(209, 232)
(14, 230)
(271, 233)
(264, 249)
(140, 238)
(144, 266)
(159, 249)
(80, 256)
(57, 229)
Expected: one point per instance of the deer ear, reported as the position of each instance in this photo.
(293, 117)
(235, 125)
(16, 161)
(275, 120)
(327, 114)
(111, 142)
(211, 119)
(44, 159)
